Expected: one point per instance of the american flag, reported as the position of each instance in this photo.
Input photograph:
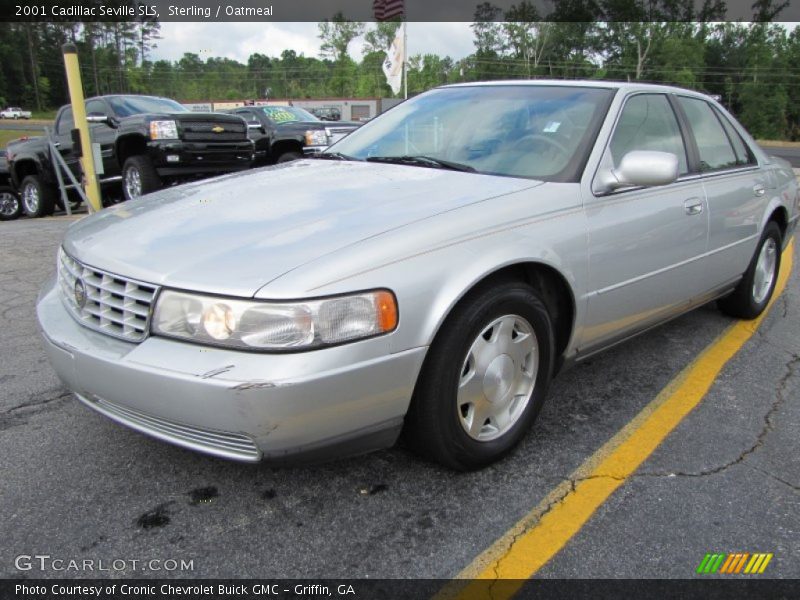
(388, 9)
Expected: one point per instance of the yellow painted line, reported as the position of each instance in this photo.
(543, 532)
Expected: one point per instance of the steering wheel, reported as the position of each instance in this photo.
(532, 138)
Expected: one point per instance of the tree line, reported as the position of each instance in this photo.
(753, 67)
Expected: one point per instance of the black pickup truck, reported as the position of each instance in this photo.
(283, 133)
(146, 143)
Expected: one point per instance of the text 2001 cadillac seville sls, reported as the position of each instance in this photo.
(430, 273)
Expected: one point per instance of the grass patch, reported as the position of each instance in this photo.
(778, 144)
(6, 135)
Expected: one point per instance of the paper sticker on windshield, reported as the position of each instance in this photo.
(552, 127)
(279, 115)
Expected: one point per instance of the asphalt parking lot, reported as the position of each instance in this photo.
(727, 479)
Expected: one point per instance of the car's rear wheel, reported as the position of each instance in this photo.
(485, 378)
(10, 206)
(753, 293)
(139, 177)
(38, 199)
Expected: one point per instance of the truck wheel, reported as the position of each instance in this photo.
(288, 157)
(139, 177)
(74, 203)
(10, 206)
(38, 198)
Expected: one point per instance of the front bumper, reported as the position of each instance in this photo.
(238, 405)
(311, 150)
(175, 158)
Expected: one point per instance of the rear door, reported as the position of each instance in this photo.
(736, 189)
(645, 244)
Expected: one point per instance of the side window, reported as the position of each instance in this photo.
(744, 155)
(648, 122)
(713, 144)
(96, 106)
(66, 123)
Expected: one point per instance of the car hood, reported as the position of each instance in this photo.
(236, 233)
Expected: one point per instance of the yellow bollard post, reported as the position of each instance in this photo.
(79, 114)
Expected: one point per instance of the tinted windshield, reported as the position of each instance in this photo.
(125, 106)
(288, 114)
(541, 132)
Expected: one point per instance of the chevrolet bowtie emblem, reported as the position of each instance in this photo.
(217, 129)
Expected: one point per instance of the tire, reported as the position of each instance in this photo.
(38, 198)
(74, 203)
(289, 156)
(139, 177)
(10, 205)
(476, 351)
(751, 297)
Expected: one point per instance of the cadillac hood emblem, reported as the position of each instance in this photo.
(80, 293)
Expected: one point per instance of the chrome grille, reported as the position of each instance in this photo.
(337, 133)
(113, 305)
(226, 444)
(202, 130)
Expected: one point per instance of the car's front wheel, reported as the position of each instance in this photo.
(139, 177)
(753, 293)
(485, 378)
(10, 206)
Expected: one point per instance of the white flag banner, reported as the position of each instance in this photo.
(393, 65)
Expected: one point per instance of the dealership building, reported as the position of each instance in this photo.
(351, 109)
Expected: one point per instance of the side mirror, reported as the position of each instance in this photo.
(98, 117)
(256, 126)
(639, 168)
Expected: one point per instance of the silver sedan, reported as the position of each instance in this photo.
(427, 275)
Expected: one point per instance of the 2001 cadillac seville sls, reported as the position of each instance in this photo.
(430, 273)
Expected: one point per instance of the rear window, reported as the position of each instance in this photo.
(713, 144)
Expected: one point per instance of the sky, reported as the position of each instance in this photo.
(239, 40)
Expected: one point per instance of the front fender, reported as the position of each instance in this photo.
(431, 266)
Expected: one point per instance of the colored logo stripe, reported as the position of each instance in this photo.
(734, 563)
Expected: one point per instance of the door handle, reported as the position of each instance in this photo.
(759, 189)
(56, 144)
(693, 206)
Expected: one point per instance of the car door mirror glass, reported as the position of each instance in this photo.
(639, 168)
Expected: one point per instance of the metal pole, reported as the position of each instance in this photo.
(57, 168)
(79, 114)
(405, 57)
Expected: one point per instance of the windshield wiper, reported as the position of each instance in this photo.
(423, 161)
(331, 156)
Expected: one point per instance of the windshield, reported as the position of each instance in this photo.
(540, 132)
(288, 114)
(125, 106)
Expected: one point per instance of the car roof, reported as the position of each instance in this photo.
(626, 86)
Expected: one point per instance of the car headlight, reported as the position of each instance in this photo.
(163, 130)
(268, 325)
(316, 138)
